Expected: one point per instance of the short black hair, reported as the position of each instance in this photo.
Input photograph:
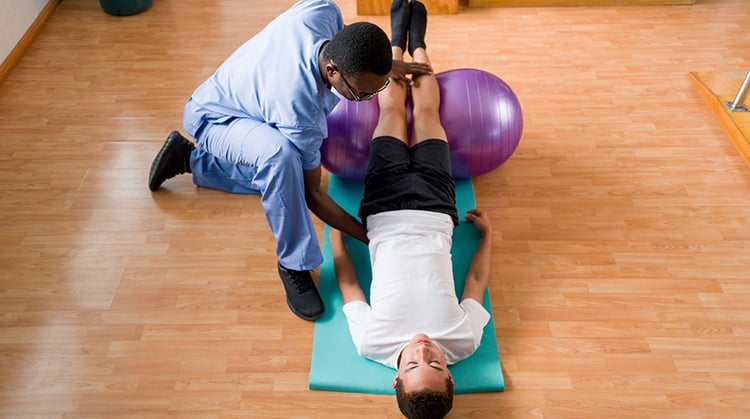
(360, 47)
(425, 404)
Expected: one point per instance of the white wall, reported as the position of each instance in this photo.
(16, 16)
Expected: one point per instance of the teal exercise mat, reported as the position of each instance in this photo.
(336, 366)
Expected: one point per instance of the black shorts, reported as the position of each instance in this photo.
(416, 178)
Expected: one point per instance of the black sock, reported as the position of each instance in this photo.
(186, 158)
(399, 23)
(187, 162)
(417, 26)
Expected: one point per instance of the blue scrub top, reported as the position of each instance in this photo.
(275, 78)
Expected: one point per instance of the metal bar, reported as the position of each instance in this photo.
(738, 104)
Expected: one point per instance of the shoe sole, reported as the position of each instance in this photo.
(300, 315)
(160, 159)
(283, 271)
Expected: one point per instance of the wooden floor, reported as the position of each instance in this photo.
(621, 270)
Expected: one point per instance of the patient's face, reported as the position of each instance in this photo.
(423, 365)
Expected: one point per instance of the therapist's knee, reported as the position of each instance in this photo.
(285, 158)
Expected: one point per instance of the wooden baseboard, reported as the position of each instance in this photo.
(535, 3)
(717, 89)
(23, 44)
(382, 7)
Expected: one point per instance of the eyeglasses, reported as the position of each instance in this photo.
(366, 96)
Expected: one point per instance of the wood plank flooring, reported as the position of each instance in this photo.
(621, 259)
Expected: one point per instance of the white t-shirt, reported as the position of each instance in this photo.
(412, 290)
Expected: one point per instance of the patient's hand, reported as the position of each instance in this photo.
(481, 221)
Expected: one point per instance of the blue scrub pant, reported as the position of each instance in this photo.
(250, 157)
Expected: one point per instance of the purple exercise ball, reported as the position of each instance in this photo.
(347, 149)
(480, 113)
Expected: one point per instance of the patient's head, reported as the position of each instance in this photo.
(424, 386)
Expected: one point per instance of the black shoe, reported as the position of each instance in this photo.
(173, 159)
(301, 295)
